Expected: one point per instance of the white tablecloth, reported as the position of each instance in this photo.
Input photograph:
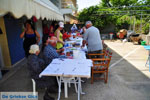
(69, 68)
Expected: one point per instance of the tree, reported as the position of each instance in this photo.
(117, 12)
(99, 20)
(105, 3)
(120, 3)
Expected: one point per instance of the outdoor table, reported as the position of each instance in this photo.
(80, 68)
(67, 69)
(148, 59)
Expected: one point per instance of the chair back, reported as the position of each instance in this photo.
(101, 63)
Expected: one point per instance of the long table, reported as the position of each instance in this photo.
(68, 69)
(80, 68)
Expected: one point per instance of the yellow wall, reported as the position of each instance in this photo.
(4, 45)
(73, 21)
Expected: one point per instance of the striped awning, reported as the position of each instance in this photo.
(29, 8)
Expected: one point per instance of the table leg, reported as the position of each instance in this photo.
(149, 60)
(59, 87)
(66, 89)
(79, 87)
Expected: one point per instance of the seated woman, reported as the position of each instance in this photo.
(36, 66)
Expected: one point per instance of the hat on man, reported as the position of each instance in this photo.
(34, 48)
(61, 24)
(88, 22)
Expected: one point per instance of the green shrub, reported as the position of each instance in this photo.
(146, 28)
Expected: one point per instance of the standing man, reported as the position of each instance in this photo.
(92, 38)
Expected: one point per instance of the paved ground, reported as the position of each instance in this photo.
(129, 79)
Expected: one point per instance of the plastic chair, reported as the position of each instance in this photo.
(34, 86)
(67, 81)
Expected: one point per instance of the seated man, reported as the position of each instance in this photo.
(49, 52)
(36, 66)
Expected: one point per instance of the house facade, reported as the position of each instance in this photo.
(13, 13)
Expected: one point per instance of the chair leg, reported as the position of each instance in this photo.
(75, 85)
(34, 86)
(106, 77)
(69, 84)
(92, 78)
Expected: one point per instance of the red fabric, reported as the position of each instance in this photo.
(78, 34)
(51, 31)
(51, 34)
(65, 36)
(121, 35)
(69, 35)
(34, 19)
(51, 28)
(45, 30)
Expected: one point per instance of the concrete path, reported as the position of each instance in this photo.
(129, 79)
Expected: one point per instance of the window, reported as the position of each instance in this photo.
(55, 2)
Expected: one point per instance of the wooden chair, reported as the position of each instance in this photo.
(105, 46)
(107, 52)
(94, 55)
(100, 66)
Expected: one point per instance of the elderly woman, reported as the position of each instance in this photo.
(36, 66)
(59, 36)
(30, 35)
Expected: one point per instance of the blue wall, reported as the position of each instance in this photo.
(13, 30)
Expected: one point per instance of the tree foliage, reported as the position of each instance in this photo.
(123, 2)
(118, 3)
(117, 12)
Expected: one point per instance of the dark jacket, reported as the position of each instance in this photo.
(36, 65)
